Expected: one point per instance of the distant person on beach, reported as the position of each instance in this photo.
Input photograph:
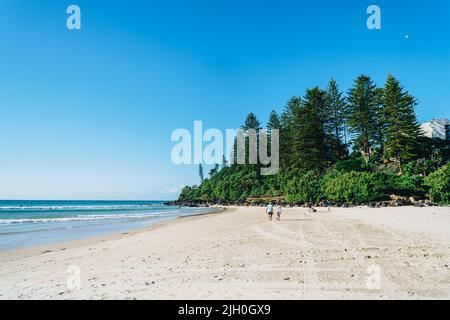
(269, 210)
(311, 208)
(279, 211)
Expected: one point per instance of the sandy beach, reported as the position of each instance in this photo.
(354, 253)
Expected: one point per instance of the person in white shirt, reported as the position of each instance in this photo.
(279, 211)
(269, 210)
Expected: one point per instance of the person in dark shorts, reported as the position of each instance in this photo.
(269, 210)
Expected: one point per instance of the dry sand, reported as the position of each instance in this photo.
(357, 253)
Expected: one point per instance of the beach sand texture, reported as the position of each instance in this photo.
(354, 253)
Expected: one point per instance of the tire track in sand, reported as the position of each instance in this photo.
(311, 288)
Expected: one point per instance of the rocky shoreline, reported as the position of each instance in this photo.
(395, 201)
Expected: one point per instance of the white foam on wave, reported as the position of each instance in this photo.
(92, 217)
(79, 207)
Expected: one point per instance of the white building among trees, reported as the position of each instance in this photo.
(437, 128)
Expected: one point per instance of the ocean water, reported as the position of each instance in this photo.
(27, 223)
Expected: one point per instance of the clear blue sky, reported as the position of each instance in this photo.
(88, 114)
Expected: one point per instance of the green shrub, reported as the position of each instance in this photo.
(354, 187)
(439, 185)
(406, 185)
(303, 188)
(419, 167)
(353, 164)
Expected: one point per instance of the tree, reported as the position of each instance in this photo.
(224, 162)
(287, 134)
(200, 172)
(336, 115)
(309, 145)
(402, 131)
(274, 121)
(362, 114)
(380, 119)
(214, 170)
(251, 122)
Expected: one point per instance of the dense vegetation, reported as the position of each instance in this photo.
(360, 148)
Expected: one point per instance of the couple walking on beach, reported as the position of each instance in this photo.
(270, 210)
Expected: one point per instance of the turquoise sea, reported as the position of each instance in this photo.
(27, 222)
